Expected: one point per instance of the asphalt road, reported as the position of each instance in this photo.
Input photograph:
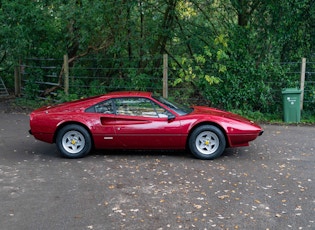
(268, 185)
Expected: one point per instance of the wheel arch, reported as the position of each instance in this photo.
(73, 123)
(207, 123)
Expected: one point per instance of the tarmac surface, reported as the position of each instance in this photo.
(268, 185)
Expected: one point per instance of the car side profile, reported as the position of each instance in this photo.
(139, 120)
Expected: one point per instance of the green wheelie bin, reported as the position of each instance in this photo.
(291, 105)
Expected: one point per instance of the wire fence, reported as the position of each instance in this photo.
(45, 78)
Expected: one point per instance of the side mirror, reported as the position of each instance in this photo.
(171, 117)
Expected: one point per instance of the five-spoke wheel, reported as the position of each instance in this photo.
(207, 142)
(73, 141)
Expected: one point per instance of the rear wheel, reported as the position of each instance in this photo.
(207, 142)
(73, 141)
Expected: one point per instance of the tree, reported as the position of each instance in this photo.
(215, 46)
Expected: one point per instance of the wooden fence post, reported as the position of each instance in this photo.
(17, 80)
(66, 73)
(165, 75)
(303, 70)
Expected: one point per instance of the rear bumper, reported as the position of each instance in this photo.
(46, 137)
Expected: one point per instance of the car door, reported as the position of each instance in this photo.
(142, 124)
(102, 121)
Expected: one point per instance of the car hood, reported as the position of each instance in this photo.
(219, 113)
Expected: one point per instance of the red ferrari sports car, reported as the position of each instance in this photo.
(139, 120)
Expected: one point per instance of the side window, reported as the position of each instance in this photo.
(162, 112)
(136, 106)
(104, 107)
(122, 106)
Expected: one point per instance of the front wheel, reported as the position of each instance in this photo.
(73, 141)
(207, 142)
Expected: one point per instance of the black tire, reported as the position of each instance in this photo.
(73, 141)
(207, 142)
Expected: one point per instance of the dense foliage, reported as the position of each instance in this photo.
(224, 51)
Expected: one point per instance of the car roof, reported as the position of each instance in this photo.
(129, 93)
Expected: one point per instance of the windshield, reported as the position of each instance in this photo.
(179, 109)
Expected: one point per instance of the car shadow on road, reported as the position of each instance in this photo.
(50, 151)
(142, 153)
(180, 154)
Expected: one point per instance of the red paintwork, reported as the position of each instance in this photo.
(135, 132)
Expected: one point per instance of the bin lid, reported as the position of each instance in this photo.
(291, 90)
